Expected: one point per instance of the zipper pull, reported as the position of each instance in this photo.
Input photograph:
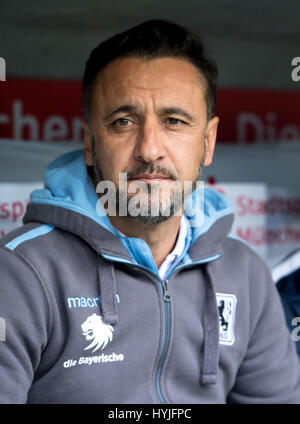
(166, 291)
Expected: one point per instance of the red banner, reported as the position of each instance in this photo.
(50, 110)
(258, 116)
(40, 110)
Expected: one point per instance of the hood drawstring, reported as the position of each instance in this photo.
(107, 282)
(211, 332)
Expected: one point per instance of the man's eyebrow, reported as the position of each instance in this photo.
(131, 108)
(176, 111)
(122, 108)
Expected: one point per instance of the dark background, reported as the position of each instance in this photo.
(253, 41)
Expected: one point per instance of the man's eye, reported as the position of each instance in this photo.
(121, 122)
(174, 121)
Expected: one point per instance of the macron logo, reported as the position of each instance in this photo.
(83, 302)
(86, 302)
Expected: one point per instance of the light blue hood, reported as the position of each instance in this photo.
(68, 185)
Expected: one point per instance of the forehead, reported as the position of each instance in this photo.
(161, 79)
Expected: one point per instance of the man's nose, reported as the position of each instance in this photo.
(149, 143)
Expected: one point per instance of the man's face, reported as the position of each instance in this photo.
(148, 119)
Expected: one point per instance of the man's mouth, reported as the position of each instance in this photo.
(150, 178)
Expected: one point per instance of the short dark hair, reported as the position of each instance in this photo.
(151, 39)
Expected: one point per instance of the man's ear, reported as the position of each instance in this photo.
(210, 139)
(87, 143)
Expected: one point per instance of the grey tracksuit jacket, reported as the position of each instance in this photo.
(85, 317)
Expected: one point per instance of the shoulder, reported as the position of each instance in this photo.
(23, 234)
(17, 251)
(243, 257)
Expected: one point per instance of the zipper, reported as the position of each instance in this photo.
(166, 291)
(166, 335)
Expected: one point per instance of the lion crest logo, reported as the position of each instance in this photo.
(227, 308)
(95, 329)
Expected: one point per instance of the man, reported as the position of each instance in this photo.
(143, 304)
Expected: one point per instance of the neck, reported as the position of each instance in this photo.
(161, 238)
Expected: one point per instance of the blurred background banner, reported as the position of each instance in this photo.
(255, 44)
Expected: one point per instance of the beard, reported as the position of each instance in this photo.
(155, 202)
